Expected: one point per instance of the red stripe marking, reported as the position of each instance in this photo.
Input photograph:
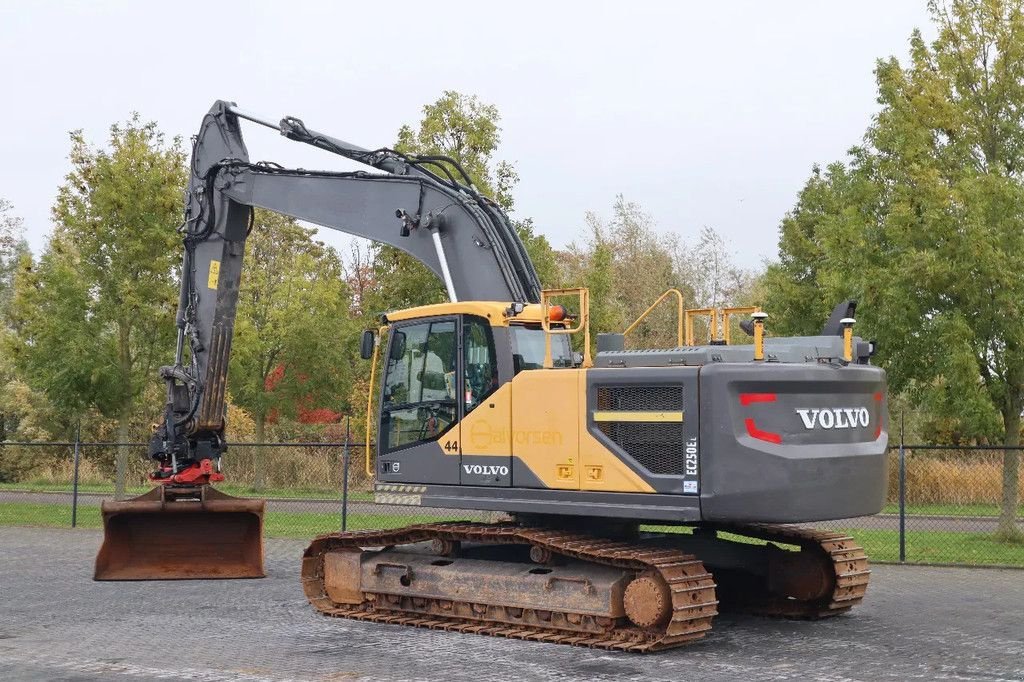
(757, 433)
(748, 398)
(878, 397)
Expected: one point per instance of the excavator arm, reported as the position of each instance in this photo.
(425, 206)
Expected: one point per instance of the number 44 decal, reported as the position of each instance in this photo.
(451, 446)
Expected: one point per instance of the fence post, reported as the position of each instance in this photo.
(903, 497)
(344, 481)
(74, 482)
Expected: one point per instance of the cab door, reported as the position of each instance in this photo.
(419, 434)
(485, 427)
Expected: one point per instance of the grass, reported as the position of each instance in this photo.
(917, 509)
(881, 545)
(923, 547)
(940, 547)
(301, 525)
(236, 490)
(949, 509)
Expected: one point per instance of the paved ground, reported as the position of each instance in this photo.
(55, 623)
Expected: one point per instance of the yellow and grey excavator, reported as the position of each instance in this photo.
(644, 488)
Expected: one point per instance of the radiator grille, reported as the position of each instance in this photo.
(657, 446)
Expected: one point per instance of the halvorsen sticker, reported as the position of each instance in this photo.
(834, 418)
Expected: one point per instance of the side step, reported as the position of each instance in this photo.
(181, 533)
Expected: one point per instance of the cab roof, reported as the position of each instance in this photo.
(495, 312)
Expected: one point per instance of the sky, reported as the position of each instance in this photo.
(704, 113)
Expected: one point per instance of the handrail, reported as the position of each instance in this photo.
(728, 312)
(712, 314)
(583, 323)
(679, 317)
(369, 400)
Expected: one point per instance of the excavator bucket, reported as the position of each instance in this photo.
(185, 533)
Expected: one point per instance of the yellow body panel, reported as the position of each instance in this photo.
(487, 430)
(493, 311)
(546, 423)
(540, 417)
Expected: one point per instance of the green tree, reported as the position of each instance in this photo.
(598, 276)
(293, 343)
(465, 129)
(13, 248)
(95, 317)
(925, 225)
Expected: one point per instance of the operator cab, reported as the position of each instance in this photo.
(443, 362)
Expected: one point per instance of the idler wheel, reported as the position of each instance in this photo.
(647, 601)
(540, 555)
(444, 547)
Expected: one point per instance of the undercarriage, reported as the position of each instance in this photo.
(638, 591)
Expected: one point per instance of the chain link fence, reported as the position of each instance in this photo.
(944, 504)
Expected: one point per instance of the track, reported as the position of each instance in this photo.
(670, 602)
(691, 589)
(846, 560)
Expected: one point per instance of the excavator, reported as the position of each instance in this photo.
(642, 489)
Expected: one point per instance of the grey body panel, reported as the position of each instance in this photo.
(423, 463)
(485, 470)
(814, 473)
(786, 349)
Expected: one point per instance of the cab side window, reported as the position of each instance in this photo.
(480, 371)
(419, 384)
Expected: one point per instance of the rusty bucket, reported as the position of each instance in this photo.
(181, 533)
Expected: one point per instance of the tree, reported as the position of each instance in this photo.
(925, 225)
(628, 243)
(293, 340)
(465, 129)
(634, 246)
(96, 317)
(12, 247)
(712, 275)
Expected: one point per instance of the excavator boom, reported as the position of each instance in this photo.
(425, 206)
